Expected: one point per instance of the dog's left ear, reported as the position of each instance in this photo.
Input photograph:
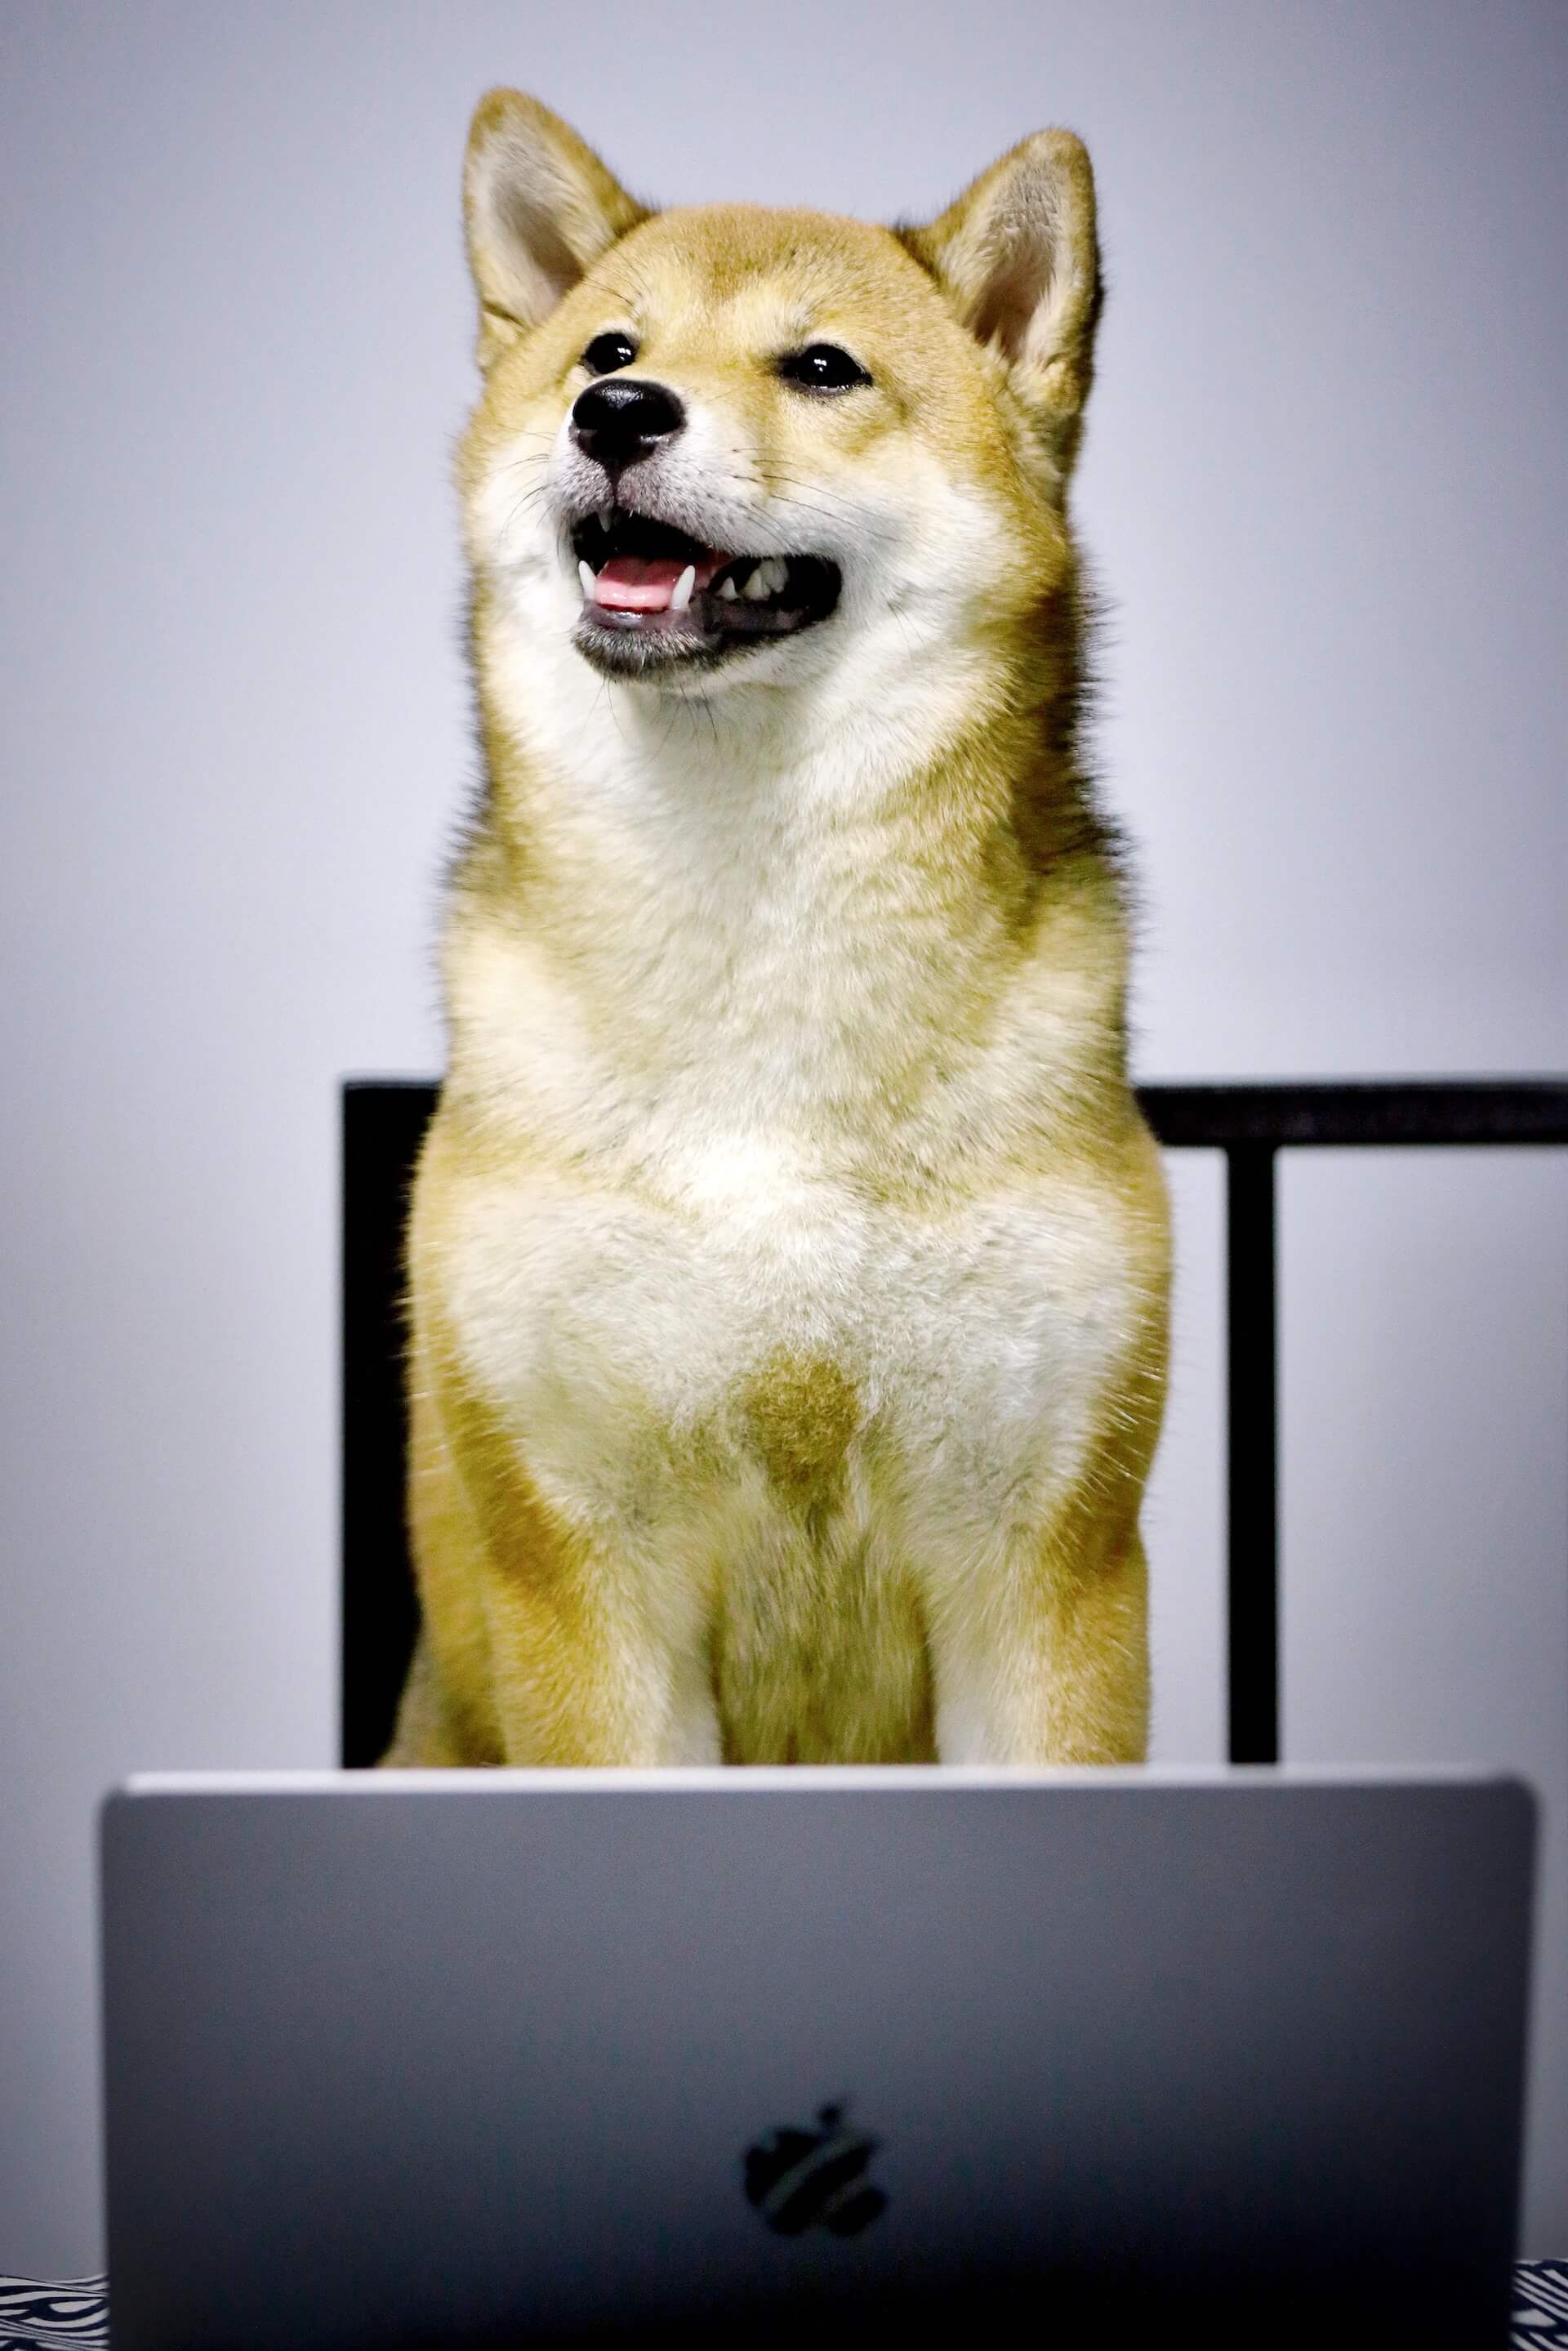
(1017, 256)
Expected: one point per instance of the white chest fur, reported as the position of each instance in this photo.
(625, 1339)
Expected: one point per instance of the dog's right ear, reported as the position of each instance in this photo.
(539, 208)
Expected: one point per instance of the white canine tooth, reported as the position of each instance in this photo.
(590, 585)
(727, 588)
(680, 594)
(756, 587)
(607, 514)
(776, 571)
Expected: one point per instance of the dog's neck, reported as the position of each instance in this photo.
(793, 904)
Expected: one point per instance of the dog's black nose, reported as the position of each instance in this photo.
(619, 419)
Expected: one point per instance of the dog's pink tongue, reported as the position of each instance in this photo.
(635, 583)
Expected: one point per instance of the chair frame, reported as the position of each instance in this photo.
(384, 1122)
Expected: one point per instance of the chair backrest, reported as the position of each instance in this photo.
(384, 1121)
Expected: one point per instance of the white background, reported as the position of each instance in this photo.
(1325, 488)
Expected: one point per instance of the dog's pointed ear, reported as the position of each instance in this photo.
(539, 209)
(1018, 258)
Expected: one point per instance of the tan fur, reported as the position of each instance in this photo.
(788, 1260)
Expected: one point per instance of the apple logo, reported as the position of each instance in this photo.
(799, 2179)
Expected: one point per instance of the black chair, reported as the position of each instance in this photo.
(384, 1122)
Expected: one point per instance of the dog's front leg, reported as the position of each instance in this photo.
(547, 1640)
(1041, 1654)
(595, 1658)
(583, 1676)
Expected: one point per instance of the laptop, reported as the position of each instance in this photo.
(509, 2057)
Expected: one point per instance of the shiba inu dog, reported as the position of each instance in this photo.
(787, 1261)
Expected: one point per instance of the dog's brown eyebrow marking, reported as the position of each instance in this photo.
(630, 303)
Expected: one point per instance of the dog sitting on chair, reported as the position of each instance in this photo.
(788, 1259)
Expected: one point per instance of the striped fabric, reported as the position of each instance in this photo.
(53, 2317)
(1541, 2304)
(75, 2316)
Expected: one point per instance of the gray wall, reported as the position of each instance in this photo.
(1324, 485)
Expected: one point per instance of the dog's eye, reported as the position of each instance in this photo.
(822, 367)
(607, 352)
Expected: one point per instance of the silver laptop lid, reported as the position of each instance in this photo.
(496, 2057)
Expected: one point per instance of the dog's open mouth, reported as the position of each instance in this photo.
(652, 595)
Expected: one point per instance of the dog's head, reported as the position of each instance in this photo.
(734, 444)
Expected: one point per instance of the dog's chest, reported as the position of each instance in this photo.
(783, 1350)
